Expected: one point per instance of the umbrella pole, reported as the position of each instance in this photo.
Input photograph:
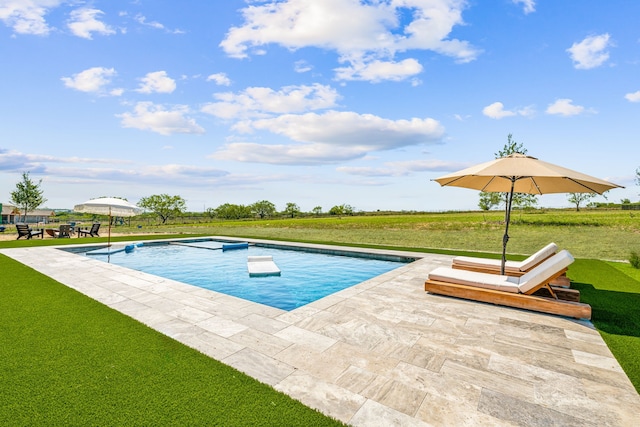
(109, 233)
(507, 219)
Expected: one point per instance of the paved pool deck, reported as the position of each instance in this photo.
(381, 353)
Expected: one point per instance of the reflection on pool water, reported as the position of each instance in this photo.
(305, 276)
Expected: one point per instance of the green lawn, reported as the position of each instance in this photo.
(68, 360)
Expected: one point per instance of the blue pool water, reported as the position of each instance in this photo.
(305, 276)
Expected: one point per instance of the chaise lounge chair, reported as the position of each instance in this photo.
(511, 268)
(513, 291)
(25, 231)
(93, 232)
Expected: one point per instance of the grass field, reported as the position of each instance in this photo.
(95, 354)
(597, 234)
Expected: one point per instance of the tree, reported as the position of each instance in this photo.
(510, 147)
(520, 200)
(27, 195)
(317, 210)
(231, 211)
(263, 208)
(489, 200)
(163, 205)
(638, 176)
(342, 209)
(210, 212)
(580, 198)
(292, 209)
(337, 210)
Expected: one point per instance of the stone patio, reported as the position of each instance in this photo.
(383, 352)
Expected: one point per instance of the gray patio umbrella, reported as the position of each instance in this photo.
(518, 173)
(108, 206)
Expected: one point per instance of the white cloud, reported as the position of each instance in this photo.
(91, 80)
(83, 23)
(76, 169)
(329, 137)
(528, 6)
(350, 129)
(220, 79)
(15, 161)
(153, 117)
(27, 17)
(402, 168)
(264, 101)
(376, 71)
(564, 107)
(497, 111)
(282, 154)
(157, 82)
(633, 96)
(590, 52)
(142, 20)
(302, 66)
(373, 38)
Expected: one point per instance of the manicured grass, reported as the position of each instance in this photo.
(613, 291)
(69, 360)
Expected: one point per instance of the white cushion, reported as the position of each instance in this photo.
(512, 266)
(544, 271)
(473, 278)
(535, 259)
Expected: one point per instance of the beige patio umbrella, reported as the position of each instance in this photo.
(108, 206)
(518, 173)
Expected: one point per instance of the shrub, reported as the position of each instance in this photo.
(634, 259)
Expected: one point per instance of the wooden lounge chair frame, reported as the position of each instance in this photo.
(512, 268)
(93, 231)
(527, 300)
(25, 231)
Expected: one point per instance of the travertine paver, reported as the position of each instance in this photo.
(383, 352)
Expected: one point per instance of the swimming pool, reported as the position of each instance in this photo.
(305, 276)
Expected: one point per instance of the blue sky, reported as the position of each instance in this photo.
(318, 103)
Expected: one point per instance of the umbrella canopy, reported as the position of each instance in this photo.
(518, 173)
(527, 175)
(108, 206)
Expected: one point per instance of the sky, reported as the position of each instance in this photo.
(318, 103)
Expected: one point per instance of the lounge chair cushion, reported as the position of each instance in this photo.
(509, 266)
(522, 284)
(545, 270)
(539, 256)
(472, 278)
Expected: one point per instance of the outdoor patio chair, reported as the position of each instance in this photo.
(93, 231)
(25, 231)
(511, 268)
(519, 292)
